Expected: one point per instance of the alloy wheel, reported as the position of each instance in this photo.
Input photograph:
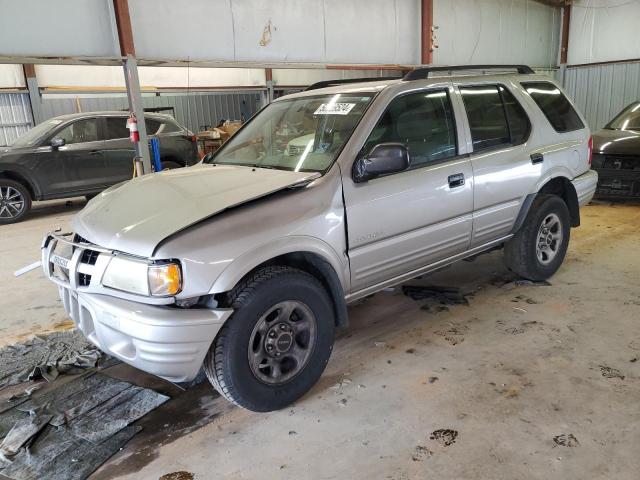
(12, 202)
(549, 239)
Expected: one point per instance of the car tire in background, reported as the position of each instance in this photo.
(15, 201)
(538, 249)
(276, 344)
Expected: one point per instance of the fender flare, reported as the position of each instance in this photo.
(568, 194)
(323, 258)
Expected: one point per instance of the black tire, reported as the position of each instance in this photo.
(15, 201)
(521, 252)
(170, 165)
(227, 364)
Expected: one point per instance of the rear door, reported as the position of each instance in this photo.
(405, 221)
(503, 170)
(119, 151)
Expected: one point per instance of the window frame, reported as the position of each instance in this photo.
(457, 156)
(524, 86)
(502, 146)
(61, 127)
(105, 127)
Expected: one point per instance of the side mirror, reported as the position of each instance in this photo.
(57, 142)
(383, 159)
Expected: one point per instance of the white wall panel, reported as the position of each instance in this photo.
(289, 77)
(69, 76)
(323, 31)
(496, 31)
(58, 28)
(604, 30)
(11, 76)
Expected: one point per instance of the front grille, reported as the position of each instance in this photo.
(89, 257)
(84, 279)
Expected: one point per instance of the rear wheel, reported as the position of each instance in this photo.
(538, 249)
(15, 201)
(277, 343)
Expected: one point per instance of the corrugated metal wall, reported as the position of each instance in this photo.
(15, 116)
(601, 91)
(192, 110)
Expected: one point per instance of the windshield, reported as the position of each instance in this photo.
(33, 136)
(302, 134)
(628, 119)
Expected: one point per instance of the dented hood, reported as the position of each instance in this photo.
(136, 216)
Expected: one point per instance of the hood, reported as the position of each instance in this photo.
(616, 142)
(137, 215)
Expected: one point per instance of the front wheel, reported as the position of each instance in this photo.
(276, 344)
(15, 201)
(538, 249)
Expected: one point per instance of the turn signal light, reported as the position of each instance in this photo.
(165, 279)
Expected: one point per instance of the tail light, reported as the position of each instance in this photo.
(191, 138)
(590, 151)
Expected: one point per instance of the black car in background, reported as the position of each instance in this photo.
(81, 155)
(616, 155)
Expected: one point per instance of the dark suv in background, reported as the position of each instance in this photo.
(616, 155)
(81, 155)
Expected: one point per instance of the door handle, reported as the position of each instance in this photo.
(456, 180)
(537, 158)
(95, 152)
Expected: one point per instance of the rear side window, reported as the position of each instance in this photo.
(519, 125)
(487, 119)
(117, 128)
(152, 126)
(495, 117)
(423, 121)
(554, 105)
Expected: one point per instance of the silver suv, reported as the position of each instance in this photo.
(244, 264)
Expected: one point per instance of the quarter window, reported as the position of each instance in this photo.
(152, 126)
(554, 105)
(81, 131)
(423, 122)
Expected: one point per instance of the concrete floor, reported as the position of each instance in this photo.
(518, 367)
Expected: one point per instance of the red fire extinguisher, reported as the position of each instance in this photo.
(132, 125)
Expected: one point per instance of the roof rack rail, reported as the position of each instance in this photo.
(422, 73)
(333, 83)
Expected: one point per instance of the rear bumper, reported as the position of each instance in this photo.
(165, 341)
(585, 186)
(615, 183)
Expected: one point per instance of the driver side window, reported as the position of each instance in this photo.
(79, 132)
(423, 122)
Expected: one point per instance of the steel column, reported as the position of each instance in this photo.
(34, 93)
(426, 32)
(134, 95)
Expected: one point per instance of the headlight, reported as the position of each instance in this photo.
(143, 278)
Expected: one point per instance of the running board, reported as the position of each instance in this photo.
(352, 297)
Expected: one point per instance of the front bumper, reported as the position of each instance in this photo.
(585, 186)
(164, 340)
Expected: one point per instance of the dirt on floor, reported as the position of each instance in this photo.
(526, 382)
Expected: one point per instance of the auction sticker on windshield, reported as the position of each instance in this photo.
(334, 109)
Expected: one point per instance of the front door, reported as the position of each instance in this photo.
(81, 158)
(405, 221)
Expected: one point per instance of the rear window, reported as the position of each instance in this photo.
(554, 105)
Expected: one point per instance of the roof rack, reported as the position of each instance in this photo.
(333, 83)
(422, 73)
